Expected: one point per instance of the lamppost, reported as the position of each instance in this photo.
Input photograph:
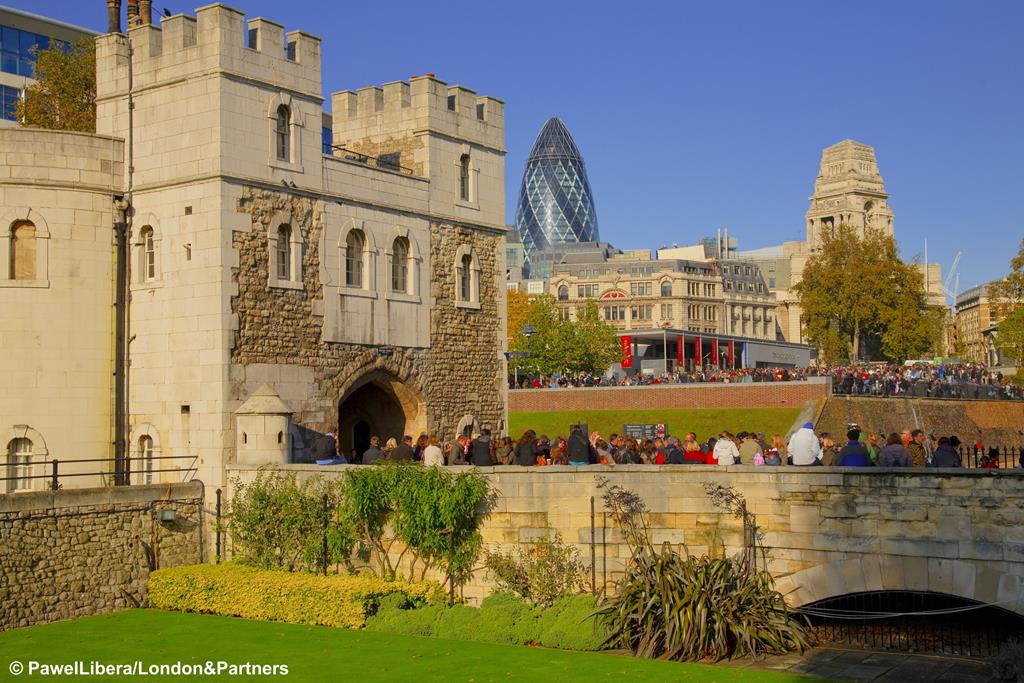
(528, 333)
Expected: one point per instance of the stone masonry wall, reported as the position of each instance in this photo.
(78, 552)
(828, 531)
(755, 394)
(458, 374)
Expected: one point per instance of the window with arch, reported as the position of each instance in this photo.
(400, 265)
(146, 459)
(563, 293)
(282, 134)
(148, 254)
(284, 252)
(355, 248)
(23, 251)
(464, 177)
(19, 464)
(666, 288)
(466, 278)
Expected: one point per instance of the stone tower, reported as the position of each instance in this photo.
(364, 285)
(848, 189)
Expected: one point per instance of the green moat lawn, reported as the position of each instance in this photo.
(315, 653)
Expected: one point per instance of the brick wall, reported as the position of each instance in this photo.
(751, 395)
(79, 552)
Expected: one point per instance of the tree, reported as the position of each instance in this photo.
(588, 344)
(856, 289)
(1007, 297)
(1010, 337)
(1009, 291)
(64, 96)
(517, 305)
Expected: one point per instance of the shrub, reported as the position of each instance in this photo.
(235, 589)
(1008, 665)
(502, 618)
(541, 572)
(672, 606)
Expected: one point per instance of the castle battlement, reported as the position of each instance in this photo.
(424, 103)
(217, 39)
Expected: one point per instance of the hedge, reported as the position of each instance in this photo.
(502, 618)
(239, 590)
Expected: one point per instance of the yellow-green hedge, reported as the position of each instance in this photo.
(242, 591)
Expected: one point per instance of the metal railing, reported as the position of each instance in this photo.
(960, 391)
(997, 457)
(56, 469)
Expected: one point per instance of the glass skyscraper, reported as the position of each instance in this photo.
(555, 202)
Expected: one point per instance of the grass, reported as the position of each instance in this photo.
(316, 653)
(704, 421)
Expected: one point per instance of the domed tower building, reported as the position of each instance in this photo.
(556, 205)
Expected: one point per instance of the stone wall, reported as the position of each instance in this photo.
(828, 531)
(712, 395)
(455, 372)
(78, 552)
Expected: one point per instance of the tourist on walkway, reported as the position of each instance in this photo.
(916, 448)
(480, 449)
(457, 451)
(402, 451)
(373, 453)
(432, 454)
(804, 447)
(503, 451)
(945, 455)
(526, 449)
(750, 450)
(893, 454)
(854, 453)
(776, 453)
(725, 450)
(577, 449)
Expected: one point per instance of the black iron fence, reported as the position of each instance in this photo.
(992, 457)
(21, 475)
(912, 621)
(958, 390)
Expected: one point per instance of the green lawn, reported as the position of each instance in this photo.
(316, 653)
(704, 421)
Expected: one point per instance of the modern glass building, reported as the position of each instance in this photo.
(20, 32)
(555, 202)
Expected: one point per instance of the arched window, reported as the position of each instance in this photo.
(146, 459)
(23, 251)
(148, 254)
(466, 278)
(19, 464)
(400, 265)
(666, 288)
(282, 134)
(284, 252)
(355, 245)
(563, 293)
(464, 178)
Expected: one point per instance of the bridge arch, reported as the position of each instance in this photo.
(968, 579)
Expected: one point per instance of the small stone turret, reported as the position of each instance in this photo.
(262, 426)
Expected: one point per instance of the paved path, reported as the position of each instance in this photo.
(876, 667)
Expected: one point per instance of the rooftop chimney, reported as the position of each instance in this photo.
(133, 13)
(113, 16)
(146, 12)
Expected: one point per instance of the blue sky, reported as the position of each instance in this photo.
(693, 116)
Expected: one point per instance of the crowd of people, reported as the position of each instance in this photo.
(804, 448)
(963, 381)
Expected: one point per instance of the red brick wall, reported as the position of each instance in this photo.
(752, 395)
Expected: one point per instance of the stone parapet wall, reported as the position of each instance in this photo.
(828, 531)
(667, 396)
(78, 552)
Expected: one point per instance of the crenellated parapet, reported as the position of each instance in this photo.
(217, 38)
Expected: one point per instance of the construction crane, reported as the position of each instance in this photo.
(952, 278)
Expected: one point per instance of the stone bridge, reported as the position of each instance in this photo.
(827, 531)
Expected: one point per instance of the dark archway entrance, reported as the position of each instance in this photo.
(378, 404)
(361, 434)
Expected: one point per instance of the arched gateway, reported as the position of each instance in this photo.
(379, 403)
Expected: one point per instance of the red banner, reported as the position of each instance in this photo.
(627, 351)
(698, 359)
(714, 352)
(730, 351)
(680, 352)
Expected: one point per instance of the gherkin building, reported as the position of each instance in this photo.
(555, 202)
